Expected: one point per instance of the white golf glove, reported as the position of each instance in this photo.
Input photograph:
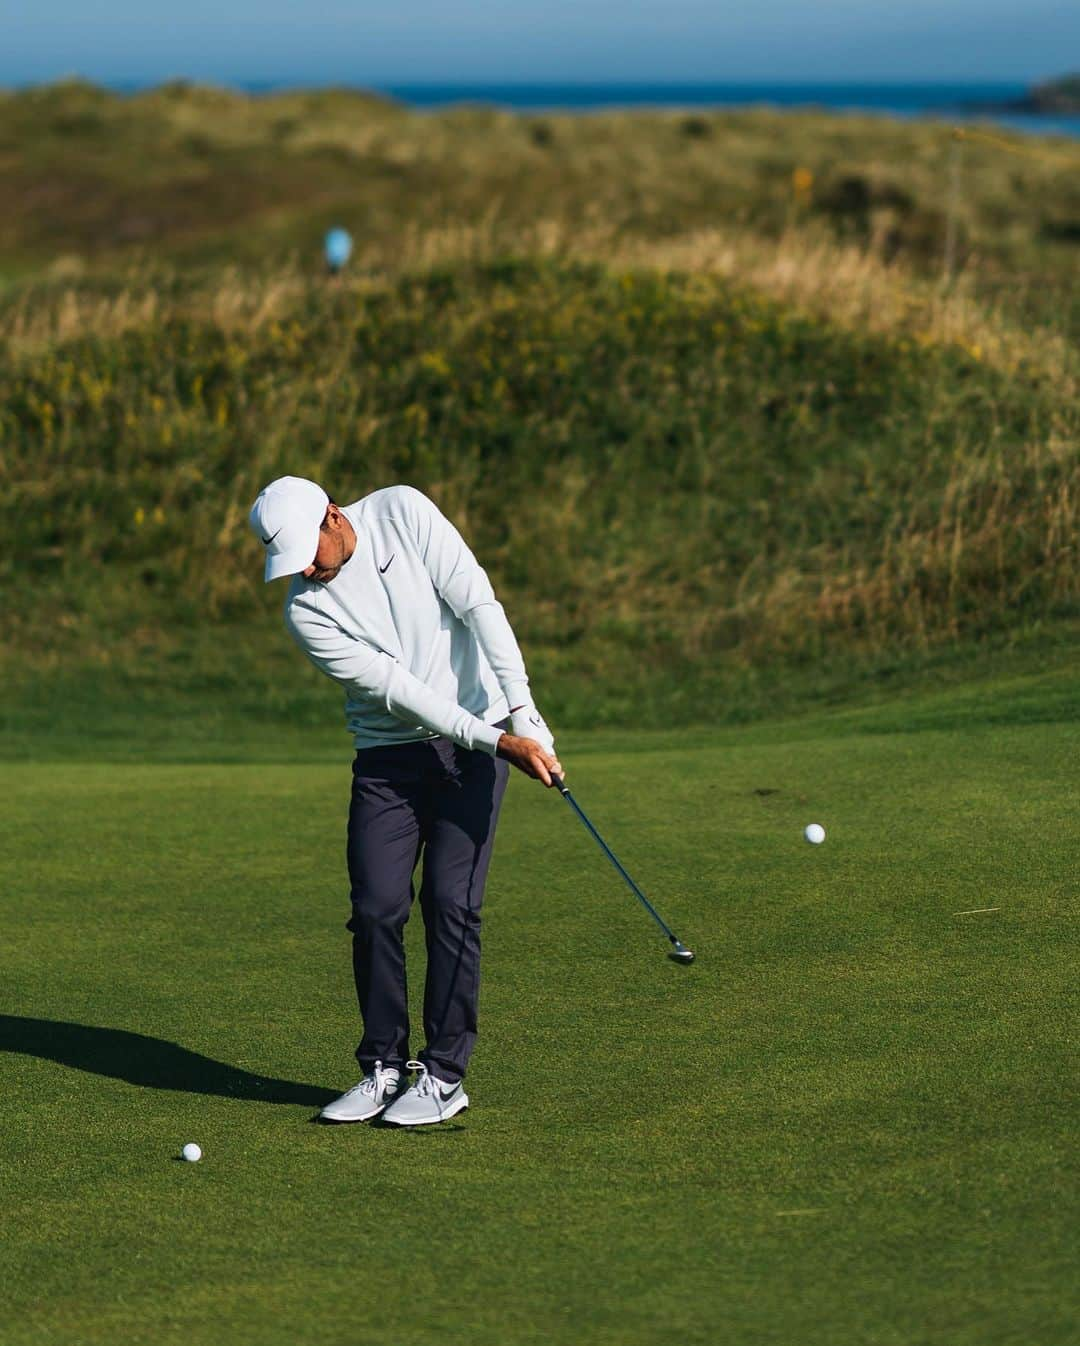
(527, 722)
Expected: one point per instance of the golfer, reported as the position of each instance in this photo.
(388, 600)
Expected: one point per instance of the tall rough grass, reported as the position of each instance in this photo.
(650, 462)
(695, 386)
(191, 173)
(845, 284)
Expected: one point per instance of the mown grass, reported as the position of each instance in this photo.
(848, 1121)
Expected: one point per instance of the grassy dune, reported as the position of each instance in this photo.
(692, 385)
(204, 172)
(662, 470)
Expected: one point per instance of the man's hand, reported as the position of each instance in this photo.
(528, 756)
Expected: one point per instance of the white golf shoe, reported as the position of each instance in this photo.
(366, 1099)
(428, 1100)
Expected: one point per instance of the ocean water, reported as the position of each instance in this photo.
(956, 103)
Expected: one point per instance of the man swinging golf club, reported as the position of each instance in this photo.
(388, 600)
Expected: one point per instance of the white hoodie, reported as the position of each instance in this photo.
(411, 627)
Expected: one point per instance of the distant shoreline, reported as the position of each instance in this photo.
(1034, 110)
(1013, 105)
(1054, 98)
(521, 94)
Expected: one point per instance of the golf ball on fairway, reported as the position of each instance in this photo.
(191, 1153)
(815, 834)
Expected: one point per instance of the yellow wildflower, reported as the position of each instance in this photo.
(802, 182)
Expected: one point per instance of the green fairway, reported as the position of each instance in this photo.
(849, 1121)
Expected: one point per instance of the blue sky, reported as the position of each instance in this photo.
(472, 40)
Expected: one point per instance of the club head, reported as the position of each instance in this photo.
(680, 953)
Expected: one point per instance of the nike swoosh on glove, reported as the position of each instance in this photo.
(529, 723)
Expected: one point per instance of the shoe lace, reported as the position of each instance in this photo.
(426, 1085)
(379, 1079)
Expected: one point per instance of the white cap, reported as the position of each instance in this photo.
(286, 519)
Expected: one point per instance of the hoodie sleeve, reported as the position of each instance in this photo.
(370, 674)
(463, 583)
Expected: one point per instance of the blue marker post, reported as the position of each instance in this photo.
(337, 248)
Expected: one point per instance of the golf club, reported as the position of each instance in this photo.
(679, 952)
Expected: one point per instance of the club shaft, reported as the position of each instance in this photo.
(614, 860)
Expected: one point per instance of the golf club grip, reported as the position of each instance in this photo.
(558, 782)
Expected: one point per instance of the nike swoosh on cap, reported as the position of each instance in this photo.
(268, 540)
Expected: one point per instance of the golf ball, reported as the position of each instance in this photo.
(815, 834)
(192, 1153)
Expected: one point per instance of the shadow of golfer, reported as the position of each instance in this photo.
(150, 1062)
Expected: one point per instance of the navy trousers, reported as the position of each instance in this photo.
(439, 801)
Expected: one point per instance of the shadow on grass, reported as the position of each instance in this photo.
(441, 1129)
(150, 1062)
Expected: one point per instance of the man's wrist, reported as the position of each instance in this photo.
(487, 738)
